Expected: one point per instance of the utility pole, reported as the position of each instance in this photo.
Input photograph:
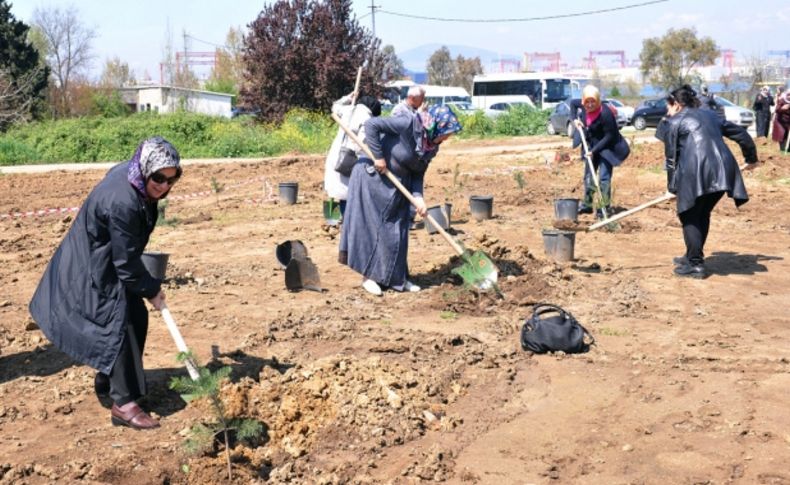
(373, 16)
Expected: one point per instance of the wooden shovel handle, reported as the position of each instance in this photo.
(355, 94)
(457, 247)
(179, 340)
(627, 213)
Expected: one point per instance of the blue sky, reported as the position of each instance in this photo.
(136, 31)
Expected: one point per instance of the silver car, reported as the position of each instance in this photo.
(736, 114)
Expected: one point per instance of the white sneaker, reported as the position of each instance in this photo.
(372, 287)
(409, 286)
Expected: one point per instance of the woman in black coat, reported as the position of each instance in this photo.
(89, 302)
(701, 170)
(762, 110)
(598, 124)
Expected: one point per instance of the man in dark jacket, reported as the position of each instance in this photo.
(762, 110)
(89, 302)
(702, 169)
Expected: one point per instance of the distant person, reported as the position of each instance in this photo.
(702, 170)
(781, 128)
(607, 147)
(89, 302)
(762, 110)
(415, 97)
(708, 101)
(336, 183)
(375, 237)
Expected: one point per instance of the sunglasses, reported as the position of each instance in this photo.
(160, 178)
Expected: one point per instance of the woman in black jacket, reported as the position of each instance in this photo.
(598, 124)
(89, 302)
(701, 170)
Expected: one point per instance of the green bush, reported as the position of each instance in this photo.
(114, 138)
(99, 138)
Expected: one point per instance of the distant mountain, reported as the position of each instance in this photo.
(416, 59)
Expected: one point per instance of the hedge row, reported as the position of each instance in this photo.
(98, 139)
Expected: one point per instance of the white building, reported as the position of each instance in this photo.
(169, 99)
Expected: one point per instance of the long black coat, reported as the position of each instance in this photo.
(81, 301)
(700, 160)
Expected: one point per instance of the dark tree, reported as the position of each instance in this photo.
(440, 67)
(22, 77)
(305, 53)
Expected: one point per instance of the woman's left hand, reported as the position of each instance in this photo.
(422, 210)
(380, 165)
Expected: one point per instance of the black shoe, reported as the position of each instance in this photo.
(691, 271)
(680, 260)
(585, 210)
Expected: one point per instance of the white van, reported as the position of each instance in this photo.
(445, 94)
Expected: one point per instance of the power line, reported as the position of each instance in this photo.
(207, 42)
(526, 19)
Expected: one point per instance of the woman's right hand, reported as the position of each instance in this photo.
(158, 302)
(380, 165)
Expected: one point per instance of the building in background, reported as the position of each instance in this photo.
(169, 99)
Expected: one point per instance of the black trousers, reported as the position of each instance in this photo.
(127, 378)
(696, 223)
(762, 120)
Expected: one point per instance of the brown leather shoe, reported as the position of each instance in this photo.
(131, 415)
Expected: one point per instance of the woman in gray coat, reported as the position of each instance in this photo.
(375, 235)
(701, 170)
(89, 302)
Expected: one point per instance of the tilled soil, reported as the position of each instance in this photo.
(687, 382)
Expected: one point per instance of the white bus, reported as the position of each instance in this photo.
(541, 89)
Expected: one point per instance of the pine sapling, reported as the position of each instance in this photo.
(216, 187)
(208, 385)
(520, 182)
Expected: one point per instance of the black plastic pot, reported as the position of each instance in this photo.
(289, 250)
(559, 245)
(481, 206)
(566, 209)
(288, 192)
(156, 264)
(442, 215)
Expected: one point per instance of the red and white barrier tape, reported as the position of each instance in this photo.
(63, 210)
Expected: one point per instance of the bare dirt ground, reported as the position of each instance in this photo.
(688, 382)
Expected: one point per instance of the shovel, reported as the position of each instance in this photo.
(179, 340)
(658, 200)
(592, 170)
(477, 270)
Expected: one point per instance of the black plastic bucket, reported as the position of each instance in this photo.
(288, 250)
(442, 215)
(559, 245)
(481, 206)
(566, 209)
(289, 192)
(156, 264)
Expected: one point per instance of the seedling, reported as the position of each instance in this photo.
(216, 187)
(519, 177)
(202, 436)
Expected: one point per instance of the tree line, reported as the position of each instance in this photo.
(294, 54)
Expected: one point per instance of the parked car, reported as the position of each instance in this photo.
(649, 113)
(736, 114)
(461, 107)
(628, 111)
(560, 118)
(497, 109)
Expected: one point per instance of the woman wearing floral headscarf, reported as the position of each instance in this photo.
(375, 236)
(781, 127)
(89, 302)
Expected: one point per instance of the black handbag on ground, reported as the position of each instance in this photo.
(551, 329)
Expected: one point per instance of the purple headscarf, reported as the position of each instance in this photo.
(151, 155)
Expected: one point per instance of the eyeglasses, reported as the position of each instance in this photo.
(160, 178)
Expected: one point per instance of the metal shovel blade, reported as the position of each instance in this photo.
(332, 212)
(478, 270)
(302, 274)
